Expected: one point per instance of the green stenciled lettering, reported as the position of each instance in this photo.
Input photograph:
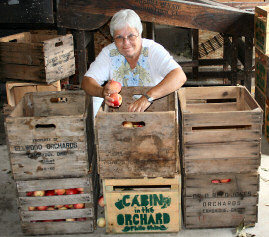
(135, 201)
(128, 219)
(151, 220)
(126, 229)
(166, 218)
(159, 218)
(135, 221)
(144, 200)
(157, 199)
(120, 219)
(124, 199)
(143, 219)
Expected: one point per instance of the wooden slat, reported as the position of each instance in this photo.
(177, 13)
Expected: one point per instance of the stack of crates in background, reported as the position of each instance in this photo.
(138, 162)
(220, 154)
(38, 57)
(261, 41)
(50, 145)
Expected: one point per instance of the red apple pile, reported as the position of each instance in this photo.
(71, 191)
(116, 86)
(128, 124)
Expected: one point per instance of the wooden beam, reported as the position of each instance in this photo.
(175, 13)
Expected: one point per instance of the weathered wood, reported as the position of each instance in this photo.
(157, 201)
(150, 150)
(25, 11)
(36, 57)
(176, 13)
(61, 206)
(232, 200)
(226, 131)
(48, 136)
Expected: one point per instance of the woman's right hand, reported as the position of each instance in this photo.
(107, 91)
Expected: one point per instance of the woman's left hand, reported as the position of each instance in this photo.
(139, 105)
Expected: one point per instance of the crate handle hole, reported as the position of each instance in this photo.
(58, 100)
(130, 124)
(142, 187)
(45, 126)
(58, 44)
(237, 127)
(221, 181)
(13, 41)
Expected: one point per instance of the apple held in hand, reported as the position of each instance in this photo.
(117, 99)
(115, 86)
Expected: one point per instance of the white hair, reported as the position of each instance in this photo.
(123, 18)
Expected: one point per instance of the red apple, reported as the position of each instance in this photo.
(47, 221)
(71, 191)
(115, 86)
(62, 208)
(101, 222)
(81, 219)
(79, 205)
(80, 189)
(50, 208)
(117, 99)
(59, 191)
(31, 208)
(56, 220)
(39, 193)
(101, 201)
(58, 206)
(49, 193)
(41, 208)
(69, 206)
(127, 124)
(225, 180)
(29, 194)
(215, 181)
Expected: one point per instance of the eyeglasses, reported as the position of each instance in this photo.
(130, 38)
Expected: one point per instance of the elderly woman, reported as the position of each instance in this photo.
(132, 61)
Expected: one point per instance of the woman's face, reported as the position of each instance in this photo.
(128, 41)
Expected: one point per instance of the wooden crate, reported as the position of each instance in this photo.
(261, 29)
(262, 72)
(60, 216)
(16, 90)
(142, 205)
(37, 57)
(266, 121)
(50, 135)
(220, 200)
(150, 150)
(221, 130)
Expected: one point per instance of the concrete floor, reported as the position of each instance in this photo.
(10, 222)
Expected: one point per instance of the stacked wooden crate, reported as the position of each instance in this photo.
(50, 144)
(40, 58)
(221, 142)
(138, 161)
(261, 41)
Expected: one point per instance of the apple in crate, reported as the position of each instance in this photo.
(71, 191)
(127, 124)
(117, 99)
(29, 194)
(49, 193)
(41, 208)
(79, 205)
(101, 201)
(59, 191)
(31, 208)
(70, 219)
(101, 222)
(115, 86)
(39, 193)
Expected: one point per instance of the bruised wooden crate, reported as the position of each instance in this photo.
(261, 29)
(49, 135)
(57, 206)
(221, 130)
(37, 57)
(148, 149)
(142, 205)
(220, 200)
